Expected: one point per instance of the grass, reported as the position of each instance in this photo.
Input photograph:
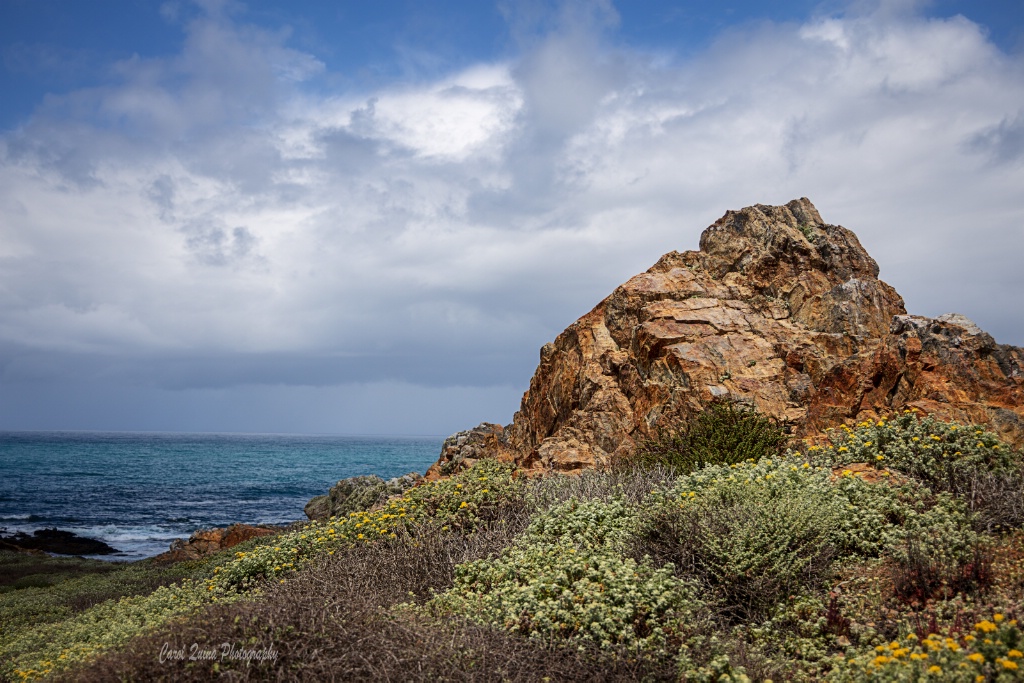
(784, 567)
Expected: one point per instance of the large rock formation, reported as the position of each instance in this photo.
(778, 309)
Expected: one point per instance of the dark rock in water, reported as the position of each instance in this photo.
(57, 542)
(358, 493)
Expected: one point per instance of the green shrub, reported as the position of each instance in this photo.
(754, 541)
(793, 643)
(471, 499)
(51, 648)
(718, 670)
(587, 525)
(334, 622)
(937, 553)
(945, 456)
(78, 584)
(878, 516)
(565, 579)
(723, 433)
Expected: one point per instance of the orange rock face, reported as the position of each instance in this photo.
(206, 541)
(777, 309)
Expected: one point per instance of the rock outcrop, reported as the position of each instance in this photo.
(778, 309)
(207, 541)
(55, 541)
(358, 493)
(464, 448)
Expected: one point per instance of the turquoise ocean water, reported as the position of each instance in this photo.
(139, 491)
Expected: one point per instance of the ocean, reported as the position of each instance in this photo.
(139, 491)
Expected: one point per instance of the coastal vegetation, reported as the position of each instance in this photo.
(887, 550)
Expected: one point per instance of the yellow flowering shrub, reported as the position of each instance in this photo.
(992, 652)
(470, 498)
(943, 455)
(49, 649)
(466, 500)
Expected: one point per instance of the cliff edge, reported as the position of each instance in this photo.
(777, 309)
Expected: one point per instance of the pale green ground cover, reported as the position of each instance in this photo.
(772, 566)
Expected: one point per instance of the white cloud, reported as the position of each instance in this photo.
(221, 202)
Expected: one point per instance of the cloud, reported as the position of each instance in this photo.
(223, 218)
(1004, 142)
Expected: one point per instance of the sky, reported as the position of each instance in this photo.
(366, 218)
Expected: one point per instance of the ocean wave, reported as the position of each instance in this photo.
(158, 487)
(113, 534)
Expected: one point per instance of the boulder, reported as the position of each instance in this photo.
(358, 493)
(464, 448)
(207, 541)
(777, 309)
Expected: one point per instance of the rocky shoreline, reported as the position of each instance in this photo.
(56, 542)
(200, 544)
(207, 541)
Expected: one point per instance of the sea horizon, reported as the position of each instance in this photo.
(140, 490)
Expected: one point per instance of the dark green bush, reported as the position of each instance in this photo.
(751, 542)
(725, 432)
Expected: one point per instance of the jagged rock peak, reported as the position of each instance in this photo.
(778, 309)
(755, 240)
